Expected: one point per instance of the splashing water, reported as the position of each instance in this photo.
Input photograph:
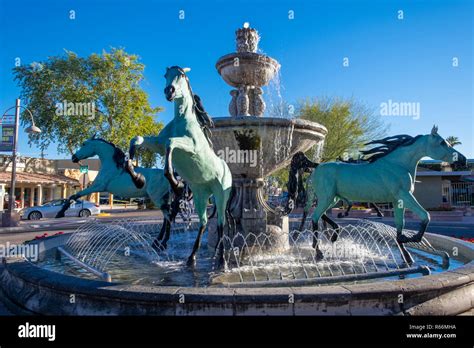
(318, 151)
(283, 142)
(276, 106)
(123, 248)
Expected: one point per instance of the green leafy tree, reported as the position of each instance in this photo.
(350, 125)
(453, 141)
(72, 98)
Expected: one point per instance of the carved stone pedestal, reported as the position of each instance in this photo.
(253, 223)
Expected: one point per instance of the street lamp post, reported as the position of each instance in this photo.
(10, 218)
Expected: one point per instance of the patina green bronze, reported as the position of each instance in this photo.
(115, 179)
(388, 175)
(186, 144)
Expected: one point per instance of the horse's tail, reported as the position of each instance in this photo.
(295, 186)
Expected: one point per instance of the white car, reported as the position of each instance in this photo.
(50, 209)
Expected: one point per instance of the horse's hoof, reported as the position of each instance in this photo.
(334, 237)
(139, 180)
(416, 238)
(191, 261)
(340, 215)
(319, 255)
(295, 235)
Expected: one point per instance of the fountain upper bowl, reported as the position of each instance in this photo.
(247, 69)
(258, 146)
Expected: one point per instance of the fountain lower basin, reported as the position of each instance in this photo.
(41, 290)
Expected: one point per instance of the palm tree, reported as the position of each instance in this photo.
(453, 140)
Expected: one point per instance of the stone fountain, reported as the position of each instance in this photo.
(255, 146)
(259, 283)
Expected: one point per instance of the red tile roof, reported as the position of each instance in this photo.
(34, 178)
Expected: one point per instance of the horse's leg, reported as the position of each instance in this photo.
(349, 207)
(221, 198)
(410, 202)
(307, 207)
(184, 144)
(152, 143)
(334, 226)
(200, 202)
(319, 253)
(169, 172)
(175, 208)
(303, 220)
(377, 209)
(399, 217)
(158, 191)
(323, 204)
(137, 178)
(85, 192)
(346, 213)
(160, 242)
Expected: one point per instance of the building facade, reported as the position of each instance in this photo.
(439, 186)
(41, 180)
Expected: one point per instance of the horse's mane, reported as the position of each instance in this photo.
(387, 145)
(118, 156)
(204, 119)
(350, 160)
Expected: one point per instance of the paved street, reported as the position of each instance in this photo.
(463, 229)
(68, 223)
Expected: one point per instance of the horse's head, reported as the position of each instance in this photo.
(88, 149)
(176, 82)
(439, 149)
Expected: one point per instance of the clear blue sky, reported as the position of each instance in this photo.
(407, 60)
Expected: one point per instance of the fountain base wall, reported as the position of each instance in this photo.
(44, 292)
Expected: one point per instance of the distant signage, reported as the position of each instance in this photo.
(84, 169)
(7, 133)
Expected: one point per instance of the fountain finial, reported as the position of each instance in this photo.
(247, 39)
